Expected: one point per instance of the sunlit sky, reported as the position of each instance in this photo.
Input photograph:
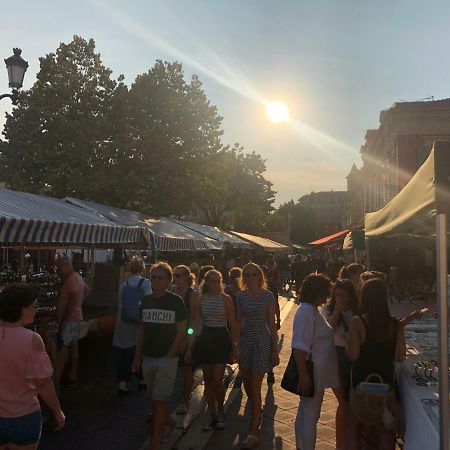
(335, 63)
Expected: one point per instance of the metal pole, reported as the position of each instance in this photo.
(442, 308)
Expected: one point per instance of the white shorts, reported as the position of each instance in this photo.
(159, 374)
(70, 333)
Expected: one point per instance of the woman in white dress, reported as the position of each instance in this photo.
(313, 338)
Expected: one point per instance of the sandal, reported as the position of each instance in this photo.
(182, 409)
(250, 442)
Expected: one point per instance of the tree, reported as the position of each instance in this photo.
(234, 190)
(301, 220)
(174, 132)
(59, 137)
(154, 147)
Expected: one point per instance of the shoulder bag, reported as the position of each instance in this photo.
(375, 403)
(291, 377)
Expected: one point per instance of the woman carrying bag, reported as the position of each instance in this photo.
(131, 293)
(375, 342)
(315, 356)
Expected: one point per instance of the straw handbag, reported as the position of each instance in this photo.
(373, 403)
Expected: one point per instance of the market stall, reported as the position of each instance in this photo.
(264, 243)
(421, 209)
(169, 235)
(332, 239)
(31, 222)
(228, 239)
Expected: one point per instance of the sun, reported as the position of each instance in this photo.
(277, 112)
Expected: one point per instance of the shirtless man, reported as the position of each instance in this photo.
(69, 315)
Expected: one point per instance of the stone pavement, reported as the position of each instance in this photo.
(279, 411)
(97, 418)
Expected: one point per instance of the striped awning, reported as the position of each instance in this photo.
(169, 236)
(215, 233)
(35, 219)
(173, 244)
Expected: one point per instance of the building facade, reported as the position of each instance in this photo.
(392, 153)
(330, 209)
(355, 187)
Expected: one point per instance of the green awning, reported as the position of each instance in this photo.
(411, 211)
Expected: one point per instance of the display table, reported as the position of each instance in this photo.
(421, 419)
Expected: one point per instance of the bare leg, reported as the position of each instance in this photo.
(208, 376)
(74, 358)
(341, 413)
(188, 379)
(159, 423)
(219, 388)
(247, 379)
(62, 357)
(256, 402)
(386, 439)
(354, 432)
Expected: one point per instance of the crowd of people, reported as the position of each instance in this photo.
(187, 316)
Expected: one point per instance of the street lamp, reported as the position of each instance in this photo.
(16, 67)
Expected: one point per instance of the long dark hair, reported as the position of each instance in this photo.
(350, 270)
(374, 303)
(346, 285)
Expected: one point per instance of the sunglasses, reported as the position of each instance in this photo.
(213, 280)
(178, 275)
(156, 277)
(251, 274)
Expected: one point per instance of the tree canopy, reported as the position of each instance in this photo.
(299, 218)
(155, 146)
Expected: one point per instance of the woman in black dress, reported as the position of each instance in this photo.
(375, 342)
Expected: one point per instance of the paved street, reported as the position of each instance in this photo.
(97, 418)
(279, 411)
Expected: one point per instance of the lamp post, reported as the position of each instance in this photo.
(16, 67)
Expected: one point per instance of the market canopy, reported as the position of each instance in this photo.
(171, 236)
(215, 233)
(266, 244)
(35, 219)
(354, 240)
(301, 248)
(413, 209)
(331, 239)
(168, 235)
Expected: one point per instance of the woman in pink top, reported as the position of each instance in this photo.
(25, 372)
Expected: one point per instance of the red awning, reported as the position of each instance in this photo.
(339, 236)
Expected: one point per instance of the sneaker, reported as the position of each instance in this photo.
(220, 422)
(210, 425)
(270, 378)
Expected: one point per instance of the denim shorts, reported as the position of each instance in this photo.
(23, 430)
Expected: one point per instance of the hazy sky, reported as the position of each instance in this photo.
(336, 63)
